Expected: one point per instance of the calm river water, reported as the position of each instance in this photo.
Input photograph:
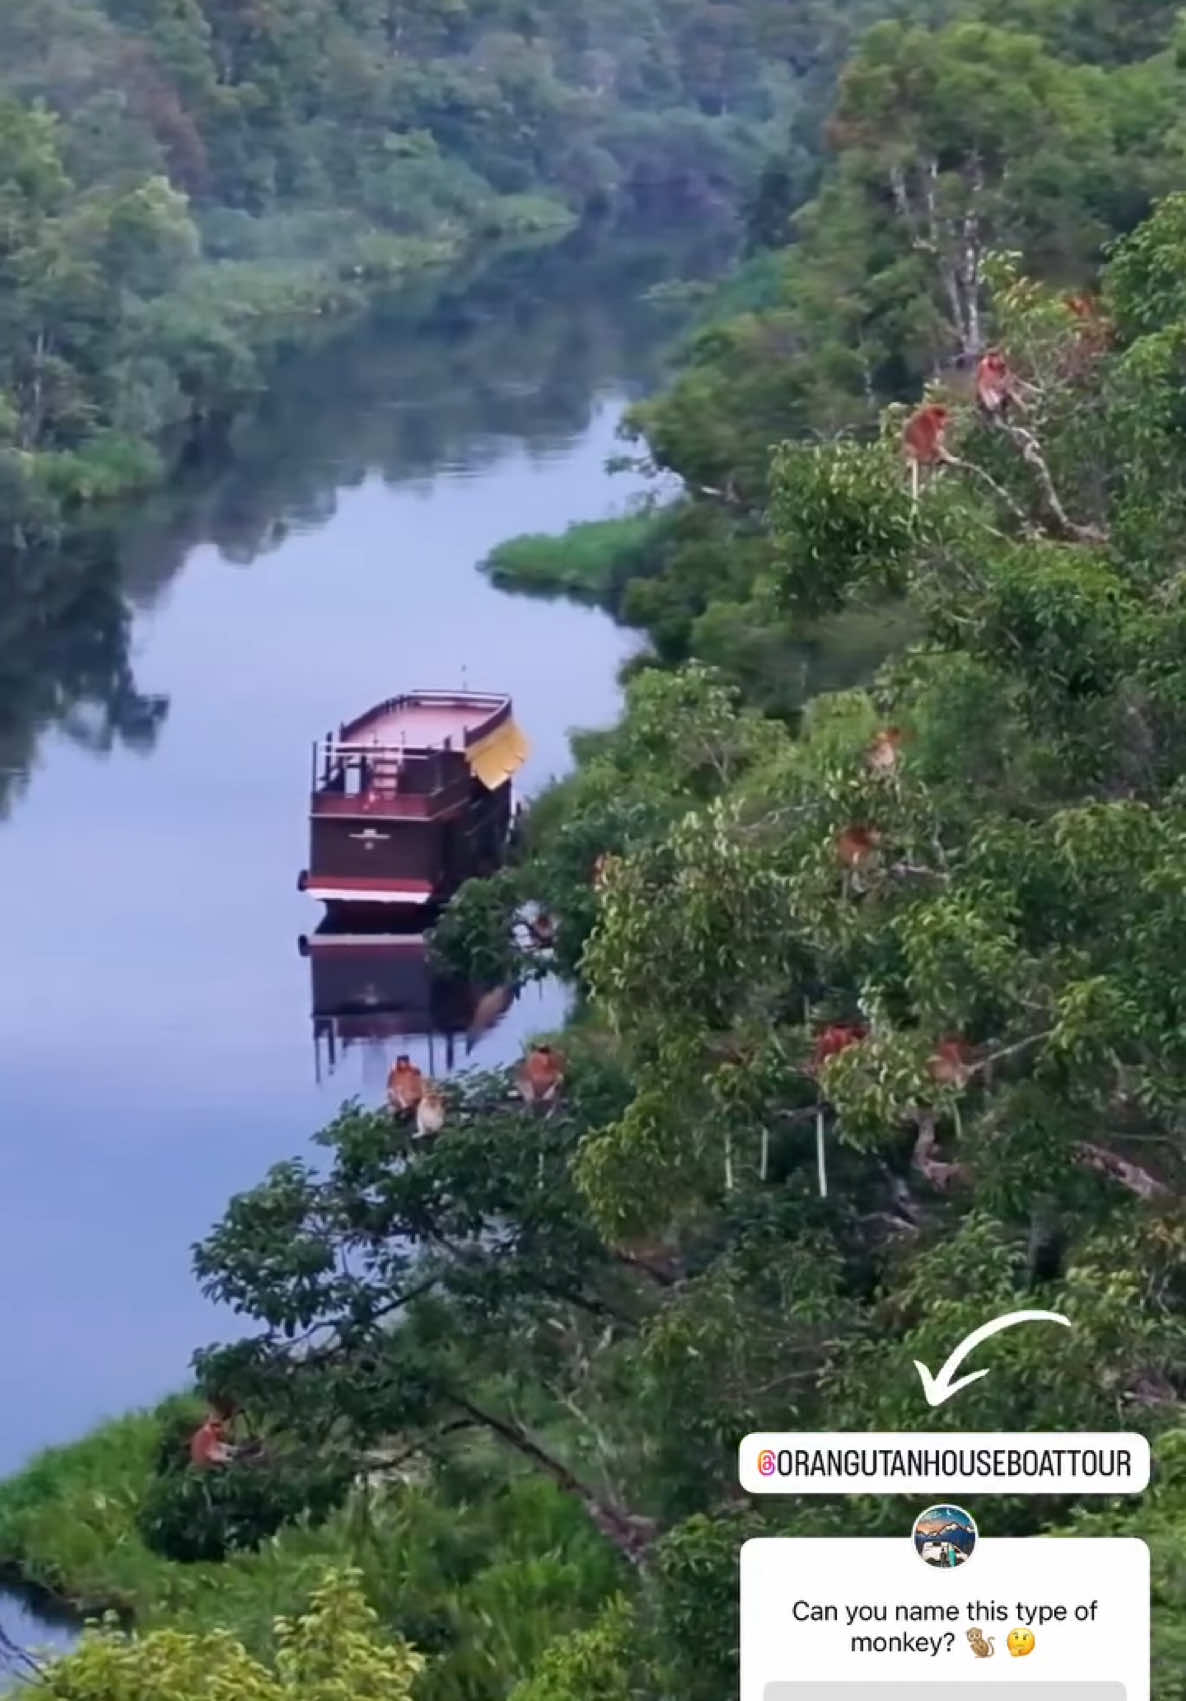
(155, 728)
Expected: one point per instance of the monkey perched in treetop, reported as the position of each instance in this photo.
(884, 750)
(834, 1039)
(856, 848)
(922, 440)
(952, 1062)
(540, 1074)
(405, 1084)
(430, 1112)
(208, 1445)
(995, 384)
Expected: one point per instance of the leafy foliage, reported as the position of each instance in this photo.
(330, 1651)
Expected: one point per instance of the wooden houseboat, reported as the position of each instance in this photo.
(409, 800)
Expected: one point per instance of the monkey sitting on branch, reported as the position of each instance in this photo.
(922, 441)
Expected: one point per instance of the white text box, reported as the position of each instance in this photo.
(909, 1463)
(868, 1611)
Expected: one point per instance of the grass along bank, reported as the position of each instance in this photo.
(592, 561)
(480, 1566)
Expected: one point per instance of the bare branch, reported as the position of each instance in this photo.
(1002, 495)
(632, 1534)
(1008, 1051)
(1130, 1175)
(1033, 457)
(13, 1654)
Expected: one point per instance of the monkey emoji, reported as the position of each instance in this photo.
(982, 1649)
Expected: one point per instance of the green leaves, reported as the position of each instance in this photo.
(1145, 287)
(596, 1664)
(844, 521)
(332, 1652)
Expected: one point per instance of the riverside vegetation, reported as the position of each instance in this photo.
(189, 187)
(911, 919)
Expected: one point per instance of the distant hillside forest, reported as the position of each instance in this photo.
(184, 181)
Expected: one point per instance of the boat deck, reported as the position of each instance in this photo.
(424, 721)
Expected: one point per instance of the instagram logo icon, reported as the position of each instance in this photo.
(766, 1463)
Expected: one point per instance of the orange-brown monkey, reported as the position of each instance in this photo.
(922, 440)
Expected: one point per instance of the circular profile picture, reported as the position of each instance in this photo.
(944, 1536)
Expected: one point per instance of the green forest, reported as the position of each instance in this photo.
(189, 188)
(871, 900)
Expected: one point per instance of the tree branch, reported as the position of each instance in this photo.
(1129, 1175)
(15, 1655)
(1002, 495)
(633, 1261)
(1008, 1051)
(631, 1534)
(1033, 457)
(388, 1462)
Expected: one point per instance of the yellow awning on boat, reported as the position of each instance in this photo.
(499, 755)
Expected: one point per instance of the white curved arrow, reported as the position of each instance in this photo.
(941, 1387)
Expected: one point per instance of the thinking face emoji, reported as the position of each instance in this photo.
(1020, 1642)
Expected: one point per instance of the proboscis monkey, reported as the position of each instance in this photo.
(830, 1042)
(208, 1445)
(950, 1065)
(834, 1039)
(1093, 331)
(540, 1074)
(405, 1084)
(430, 1112)
(542, 928)
(885, 750)
(922, 440)
(951, 1062)
(856, 851)
(996, 386)
(603, 868)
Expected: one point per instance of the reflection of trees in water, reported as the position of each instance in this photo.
(64, 635)
(455, 372)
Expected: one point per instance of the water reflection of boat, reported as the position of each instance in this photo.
(370, 988)
(409, 800)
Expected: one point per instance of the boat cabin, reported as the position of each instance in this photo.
(409, 800)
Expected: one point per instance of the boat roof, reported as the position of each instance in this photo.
(428, 720)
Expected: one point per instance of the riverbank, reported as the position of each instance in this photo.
(592, 561)
(187, 195)
(481, 1564)
(232, 323)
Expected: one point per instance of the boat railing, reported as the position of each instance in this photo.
(349, 776)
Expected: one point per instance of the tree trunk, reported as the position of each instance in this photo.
(34, 418)
(631, 1534)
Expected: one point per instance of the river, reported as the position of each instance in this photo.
(155, 724)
